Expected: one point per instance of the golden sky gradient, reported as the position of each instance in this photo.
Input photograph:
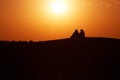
(36, 19)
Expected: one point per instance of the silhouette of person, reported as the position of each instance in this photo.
(75, 35)
(82, 34)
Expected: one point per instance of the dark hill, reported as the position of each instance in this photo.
(65, 59)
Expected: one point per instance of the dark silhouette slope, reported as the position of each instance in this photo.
(65, 59)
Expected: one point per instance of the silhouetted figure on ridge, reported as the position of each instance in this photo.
(75, 35)
(78, 36)
(82, 34)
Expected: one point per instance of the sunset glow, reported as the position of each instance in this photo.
(58, 7)
(56, 19)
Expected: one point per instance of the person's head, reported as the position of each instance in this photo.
(81, 30)
(76, 30)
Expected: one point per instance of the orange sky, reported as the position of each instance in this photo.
(33, 19)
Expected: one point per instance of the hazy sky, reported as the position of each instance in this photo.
(34, 19)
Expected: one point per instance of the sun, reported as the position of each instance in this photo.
(58, 7)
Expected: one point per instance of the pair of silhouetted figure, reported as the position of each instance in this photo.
(78, 36)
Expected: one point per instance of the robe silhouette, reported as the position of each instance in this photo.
(82, 34)
(75, 35)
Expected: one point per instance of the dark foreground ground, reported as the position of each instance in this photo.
(89, 59)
